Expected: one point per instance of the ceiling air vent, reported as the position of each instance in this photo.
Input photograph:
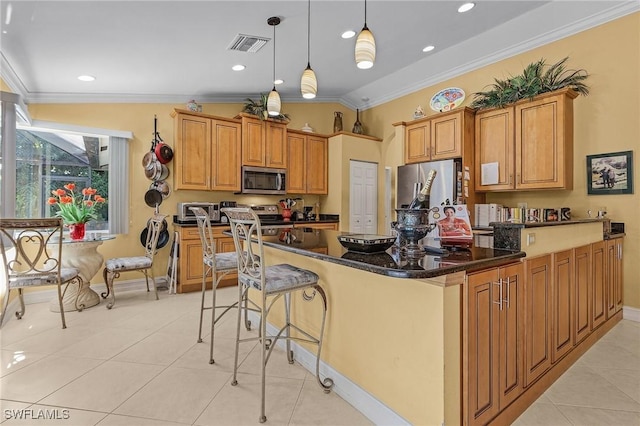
(247, 43)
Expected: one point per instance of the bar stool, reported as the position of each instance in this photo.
(272, 282)
(218, 265)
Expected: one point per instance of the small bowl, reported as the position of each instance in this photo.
(366, 243)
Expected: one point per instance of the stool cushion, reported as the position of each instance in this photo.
(42, 279)
(128, 263)
(283, 277)
(224, 261)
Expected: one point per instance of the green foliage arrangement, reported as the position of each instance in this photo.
(259, 108)
(533, 81)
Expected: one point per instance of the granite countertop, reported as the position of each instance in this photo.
(539, 224)
(323, 245)
(324, 218)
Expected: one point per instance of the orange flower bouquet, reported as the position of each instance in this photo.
(75, 209)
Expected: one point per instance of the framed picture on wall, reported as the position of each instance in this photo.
(610, 173)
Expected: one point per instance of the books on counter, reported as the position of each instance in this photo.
(485, 214)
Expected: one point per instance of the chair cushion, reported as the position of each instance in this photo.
(283, 277)
(128, 263)
(34, 280)
(224, 261)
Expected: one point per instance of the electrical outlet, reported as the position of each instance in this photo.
(531, 238)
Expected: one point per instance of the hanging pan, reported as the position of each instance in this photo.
(162, 186)
(164, 173)
(163, 152)
(153, 198)
(163, 238)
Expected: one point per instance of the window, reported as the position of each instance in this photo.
(36, 159)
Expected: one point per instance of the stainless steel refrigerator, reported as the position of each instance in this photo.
(446, 186)
(446, 189)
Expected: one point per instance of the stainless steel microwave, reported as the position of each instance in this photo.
(263, 180)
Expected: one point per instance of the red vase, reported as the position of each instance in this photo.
(76, 231)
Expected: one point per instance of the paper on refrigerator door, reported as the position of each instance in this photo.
(489, 174)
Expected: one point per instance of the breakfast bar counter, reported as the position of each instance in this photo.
(393, 333)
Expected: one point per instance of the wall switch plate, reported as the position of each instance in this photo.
(531, 238)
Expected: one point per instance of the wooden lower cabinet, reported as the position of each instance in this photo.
(582, 295)
(598, 284)
(538, 317)
(493, 347)
(614, 276)
(563, 304)
(190, 267)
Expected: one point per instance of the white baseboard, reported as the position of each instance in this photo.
(364, 402)
(631, 314)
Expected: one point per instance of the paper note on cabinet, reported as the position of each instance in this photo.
(489, 174)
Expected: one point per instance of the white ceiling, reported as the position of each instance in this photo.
(174, 51)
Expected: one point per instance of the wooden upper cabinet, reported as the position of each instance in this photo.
(192, 157)
(532, 142)
(439, 137)
(207, 152)
(264, 142)
(307, 163)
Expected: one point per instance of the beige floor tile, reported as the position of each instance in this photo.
(240, 405)
(51, 415)
(314, 407)
(105, 344)
(277, 366)
(223, 354)
(36, 381)
(53, 340)
(117, 420)
(105, 387)
(17, 359)
(584, 416)
(176, 395)
(542, 414)
(158, 348)
(612, 354)
(626, 335)
(628, 381)
(583, 387)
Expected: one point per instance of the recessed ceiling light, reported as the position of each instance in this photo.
(86, 78)
(348, 34)
(466, 7)
(238, 67)
(428, 48)
(278, 81)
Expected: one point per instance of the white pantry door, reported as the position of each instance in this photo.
(363, 197)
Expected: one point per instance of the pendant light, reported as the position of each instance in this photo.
(273, 101)
(308, 82)
(365, 45)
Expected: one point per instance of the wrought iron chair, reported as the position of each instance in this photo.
(217, 266)
(115, 266)
(31, 253)
(272, 283)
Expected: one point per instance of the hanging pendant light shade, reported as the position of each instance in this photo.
(273, 101)
(308, 82)
(365, 45)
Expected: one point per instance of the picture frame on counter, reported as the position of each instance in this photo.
(610, 173)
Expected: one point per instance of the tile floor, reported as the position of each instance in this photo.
(139, 364)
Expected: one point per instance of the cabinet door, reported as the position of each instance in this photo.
(614, 276)
(544, 141)
(275, 145)
(563, 287)
(537, 322)
(582, 295)
(226, 151)
(191, 267)
(417, 143)
(511, 335)
(495, 144)
(317, 165)
(483, 352)
(446, 136)
(253, 147)
(192, 159)
(599, 284)
(297, 162)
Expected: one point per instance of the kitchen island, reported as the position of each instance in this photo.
(393, 334)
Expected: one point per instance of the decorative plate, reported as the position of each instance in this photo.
(366, 243)
(447, 99)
